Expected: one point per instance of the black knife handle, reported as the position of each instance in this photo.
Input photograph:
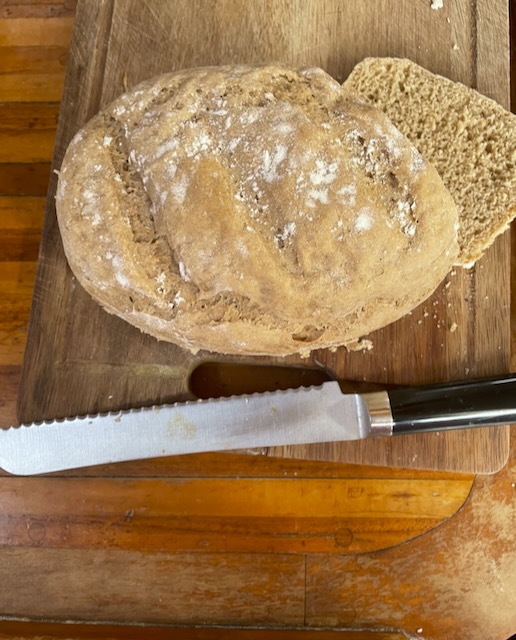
(439, 407)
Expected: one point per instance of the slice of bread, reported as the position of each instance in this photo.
(470, 140)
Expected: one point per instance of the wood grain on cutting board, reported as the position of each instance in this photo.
(79, 359)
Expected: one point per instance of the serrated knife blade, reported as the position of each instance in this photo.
(296, 416)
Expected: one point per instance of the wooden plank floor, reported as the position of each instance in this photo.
(48, 525)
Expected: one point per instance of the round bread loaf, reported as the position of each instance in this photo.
(252, 210)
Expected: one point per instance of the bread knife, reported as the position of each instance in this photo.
(296, 416)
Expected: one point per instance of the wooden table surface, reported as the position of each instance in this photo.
(315, 548)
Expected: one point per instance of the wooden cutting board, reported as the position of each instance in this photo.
(79, 359)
